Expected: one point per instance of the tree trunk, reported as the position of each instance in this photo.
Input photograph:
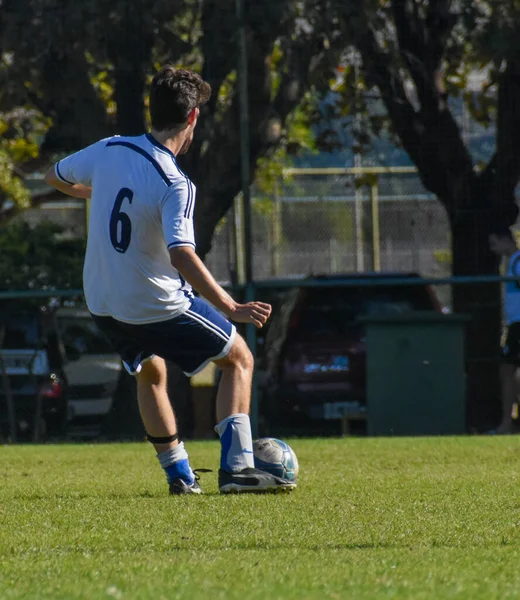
(471, 256)
(131, 55)
(79, 116)
(129, 98)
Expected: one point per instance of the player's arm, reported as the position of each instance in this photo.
(189, 265)
(73, 174)
(76, 190)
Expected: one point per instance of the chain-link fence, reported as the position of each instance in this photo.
(326, 221)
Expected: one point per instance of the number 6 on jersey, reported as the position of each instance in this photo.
(120, 235)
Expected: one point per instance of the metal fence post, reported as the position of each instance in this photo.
(245, 157)
(7, 390)
(251, 342)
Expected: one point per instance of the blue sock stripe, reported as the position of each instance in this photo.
(226, 440)
(180, 469)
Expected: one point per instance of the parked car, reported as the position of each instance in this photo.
(94, 376)
(33, 360)
(314, 355)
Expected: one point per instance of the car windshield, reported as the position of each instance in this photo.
(21, 333)
(337, 310)
(82, 334)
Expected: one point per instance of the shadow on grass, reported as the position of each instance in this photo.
(132, 495)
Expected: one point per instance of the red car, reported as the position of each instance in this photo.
(314, 350)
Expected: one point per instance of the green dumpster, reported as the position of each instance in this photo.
(415, 374)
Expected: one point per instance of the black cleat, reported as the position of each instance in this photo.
(179, 486)
(252, 481)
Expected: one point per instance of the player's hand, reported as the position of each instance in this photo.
(252, 312)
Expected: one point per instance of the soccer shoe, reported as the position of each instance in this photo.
(252, 481)
(179, 487)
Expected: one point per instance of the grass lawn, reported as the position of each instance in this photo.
(372, 518)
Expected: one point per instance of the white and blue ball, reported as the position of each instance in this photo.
(276, 457)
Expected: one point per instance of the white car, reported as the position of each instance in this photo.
(94, 376)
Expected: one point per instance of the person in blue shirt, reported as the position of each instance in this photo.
(503, 244)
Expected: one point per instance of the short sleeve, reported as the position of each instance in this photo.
(79, 167)
(177, 215)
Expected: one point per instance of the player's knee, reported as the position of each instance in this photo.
(247, 362)
(153, 372)
(239, 357)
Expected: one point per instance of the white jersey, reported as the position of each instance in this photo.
(142, 205)
(512, 291)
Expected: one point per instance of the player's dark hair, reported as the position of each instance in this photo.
(174, 93)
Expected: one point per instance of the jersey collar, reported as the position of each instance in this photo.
(157, 144)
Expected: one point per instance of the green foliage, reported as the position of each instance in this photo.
(102, 80)
(297, 137)
(372, 519)
(21, 133)
(11, 186)
(39, 257)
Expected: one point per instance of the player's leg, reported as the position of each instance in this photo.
(508, 385)
(237, 470)
(154, 404)
(509, 394)
(130, 341)
(234, 391)
(192, 340)
(233, 403)
(159, 423)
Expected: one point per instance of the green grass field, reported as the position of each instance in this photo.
(372, 518)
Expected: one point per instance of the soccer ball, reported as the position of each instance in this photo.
(275, 457)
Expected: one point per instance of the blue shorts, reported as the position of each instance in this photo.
(191, 340)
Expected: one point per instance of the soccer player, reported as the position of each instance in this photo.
(503, 244)
(140, 266)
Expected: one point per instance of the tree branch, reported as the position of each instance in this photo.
(382, 72)
(431, 137)
(508, 125)
(421, 55)
(219, 45)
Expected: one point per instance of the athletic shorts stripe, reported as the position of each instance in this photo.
(189, 340)
(209, 323)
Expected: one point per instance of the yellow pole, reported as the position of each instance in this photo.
(376, 237)
(276, 233)
(350, 171)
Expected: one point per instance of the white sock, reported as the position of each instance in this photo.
(172, 455)
(237, 443)
(176, 464)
